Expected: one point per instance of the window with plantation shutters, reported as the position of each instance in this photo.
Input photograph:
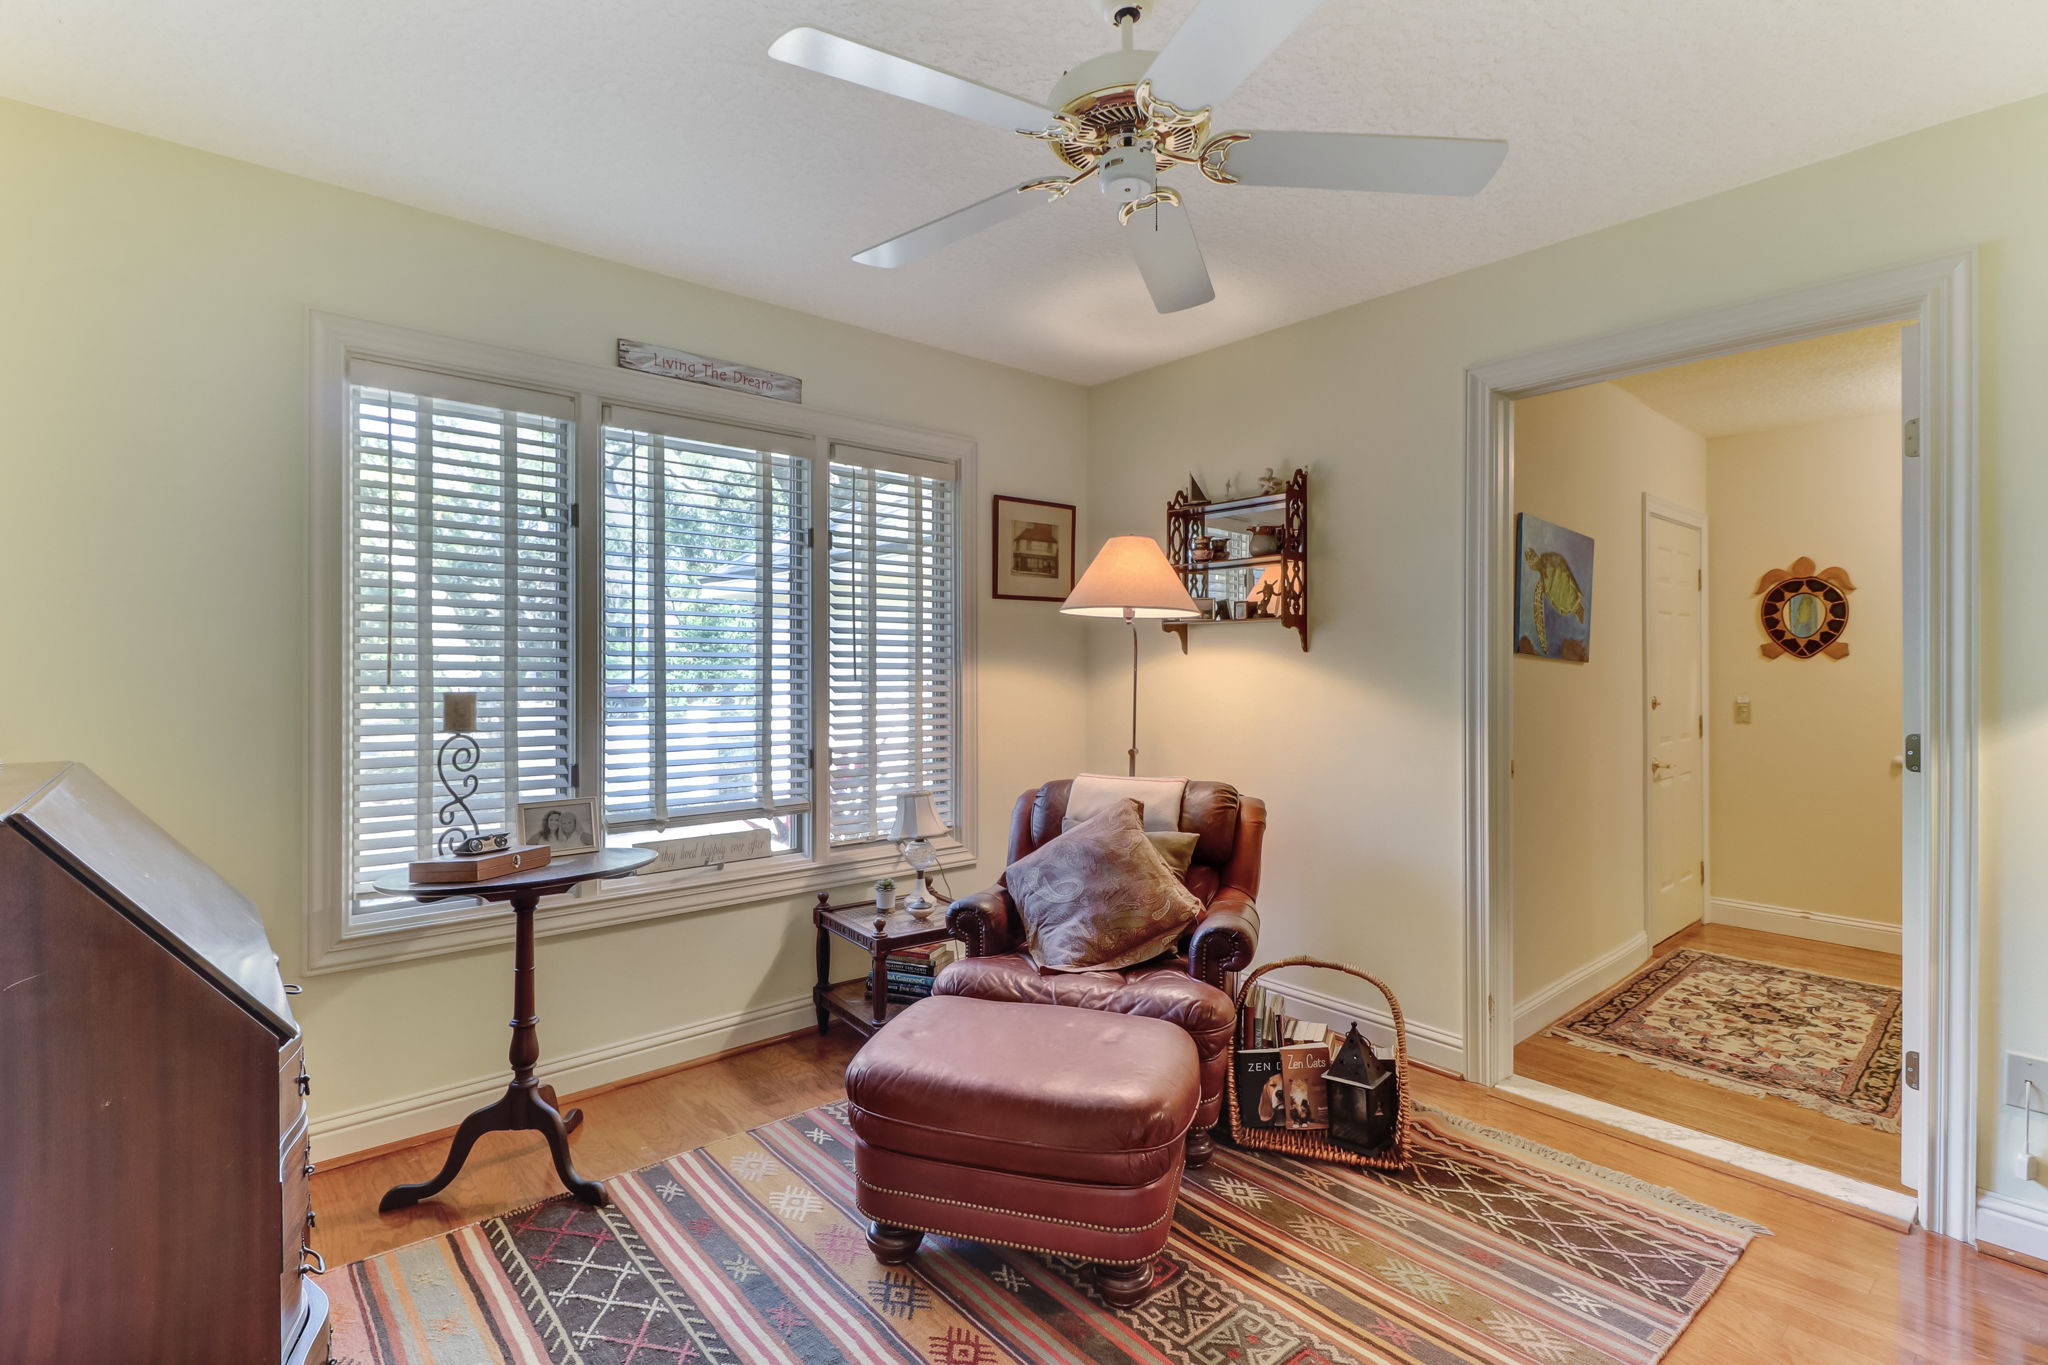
(459, 580)
(893, 637)
(706, 649)
(712, 615)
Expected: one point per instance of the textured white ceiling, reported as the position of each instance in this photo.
(659, 133)
(1844, 374)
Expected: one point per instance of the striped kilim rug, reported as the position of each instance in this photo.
(1826, 1042)
(749, 1251)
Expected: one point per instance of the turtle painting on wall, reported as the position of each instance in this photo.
(1553, 591)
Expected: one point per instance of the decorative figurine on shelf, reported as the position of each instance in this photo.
(1271, 484)
(1364, 1096)
(1265, 593)
(455, 763)
(1195, 493)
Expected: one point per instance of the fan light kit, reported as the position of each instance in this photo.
(1130, 116)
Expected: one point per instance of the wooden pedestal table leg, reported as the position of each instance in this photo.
(526, 1105)
(1123, 1286)
(824, 977)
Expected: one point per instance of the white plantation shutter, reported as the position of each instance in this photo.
(459, 497)
(707, 608)
(893, 634)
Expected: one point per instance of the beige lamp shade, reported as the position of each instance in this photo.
(1130, 577)
(917, 817)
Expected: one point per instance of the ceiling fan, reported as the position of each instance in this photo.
(1129, 116)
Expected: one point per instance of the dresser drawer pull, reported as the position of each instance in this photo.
(307, 1169)
(290, 989)
(305, 1084)
(319, 1266)
(312, 1218)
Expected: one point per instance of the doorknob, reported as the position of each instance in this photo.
(1656, 767)
(1654, 703)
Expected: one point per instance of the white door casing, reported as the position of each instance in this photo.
(1674, 718)
(1940, 936)
(1913, 807)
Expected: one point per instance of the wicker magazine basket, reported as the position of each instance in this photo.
(1315, 1146)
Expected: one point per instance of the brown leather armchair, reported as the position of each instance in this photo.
(1185, 986)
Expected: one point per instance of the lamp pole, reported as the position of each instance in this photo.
(1131, 620)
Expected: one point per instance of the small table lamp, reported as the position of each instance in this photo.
(1130, 577)
(917, 823)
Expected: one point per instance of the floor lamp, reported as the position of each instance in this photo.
(1130, 578)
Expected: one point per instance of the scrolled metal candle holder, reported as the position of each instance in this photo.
(458, 755)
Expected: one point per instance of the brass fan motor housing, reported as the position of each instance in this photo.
(1103, 117)
(1089, 125)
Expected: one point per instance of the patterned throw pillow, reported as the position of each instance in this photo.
(1099, 896)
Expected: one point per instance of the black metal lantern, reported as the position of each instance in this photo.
(1365, 1097)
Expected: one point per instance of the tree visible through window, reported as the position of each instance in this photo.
(755, 632)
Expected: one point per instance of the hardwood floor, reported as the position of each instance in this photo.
(1760, 1121)
(1827, 1289)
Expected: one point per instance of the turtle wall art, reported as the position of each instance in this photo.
(1553, 591)
(1804, 611)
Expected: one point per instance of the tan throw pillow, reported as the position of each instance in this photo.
(1099, 896)
(1176, 848)
(1093, 793)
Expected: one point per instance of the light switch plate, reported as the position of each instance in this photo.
(1742, 710)
(2020, 1068)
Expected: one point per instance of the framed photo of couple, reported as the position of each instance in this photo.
(1033, 548)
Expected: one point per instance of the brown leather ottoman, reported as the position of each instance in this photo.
(1039, 1127)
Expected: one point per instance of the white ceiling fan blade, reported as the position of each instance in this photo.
(1170, 258)
(1219, 44)
(831, 55)
(1365, 161)
(945, 231)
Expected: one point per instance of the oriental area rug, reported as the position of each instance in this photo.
(1827, 1042)
(750, 1252)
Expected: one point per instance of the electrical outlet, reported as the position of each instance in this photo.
(1742, 710)
(2026, 1166)
(2019, 1069)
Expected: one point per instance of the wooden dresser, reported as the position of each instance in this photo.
(153, 1163)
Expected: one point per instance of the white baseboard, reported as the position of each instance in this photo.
(373, 1125)
(2012, 1224)
(1822, 928)
(1534, 1012)
(1426, 1042)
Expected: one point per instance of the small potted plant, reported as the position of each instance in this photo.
(885, 894)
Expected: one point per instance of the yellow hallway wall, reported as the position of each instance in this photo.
(1805, 798)
(153, 365)
(1584, 458)
(1358, 746)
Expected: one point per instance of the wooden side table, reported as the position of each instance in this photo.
(877, 933)
(527, 1105)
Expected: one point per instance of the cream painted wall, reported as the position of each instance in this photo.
(1584, 458)
(153, 335)
(1358, 745)
(1805, 797)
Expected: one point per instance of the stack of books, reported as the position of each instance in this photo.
(1286, 1071)
(912, 970)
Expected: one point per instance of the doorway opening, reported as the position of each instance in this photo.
(1932, 302)
(1706, 808)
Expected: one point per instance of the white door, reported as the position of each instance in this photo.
(1914, 888)
(1675, 830)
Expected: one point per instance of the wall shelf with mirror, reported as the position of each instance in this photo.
(1248, 554)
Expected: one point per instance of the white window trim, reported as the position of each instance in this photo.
(332, 944)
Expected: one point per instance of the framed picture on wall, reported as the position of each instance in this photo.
(1033, 549)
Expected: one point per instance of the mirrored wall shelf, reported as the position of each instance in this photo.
(1275, 581)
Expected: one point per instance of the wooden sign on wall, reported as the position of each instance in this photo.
(699, 369)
